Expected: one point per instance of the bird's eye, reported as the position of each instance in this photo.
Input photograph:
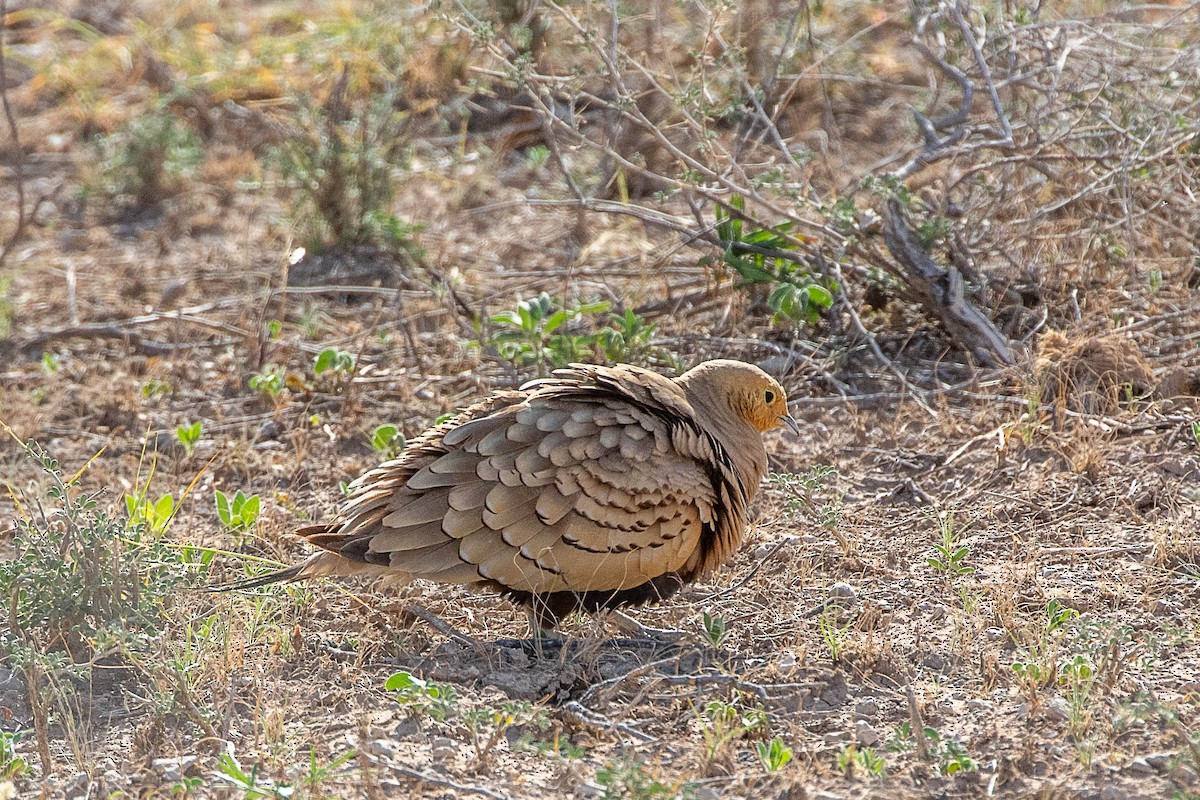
(769, 397)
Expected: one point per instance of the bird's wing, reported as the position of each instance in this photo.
(594, 481)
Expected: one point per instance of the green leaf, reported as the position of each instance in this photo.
(250, 510)
(403, 680)
(163, 509)
(223, 508)
(324, 361)
(554, 320)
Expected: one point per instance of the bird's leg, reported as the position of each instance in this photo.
(629, 625)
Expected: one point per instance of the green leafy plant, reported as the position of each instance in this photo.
(854, 759)
(387, 440)
(83, 581)
(759, 257)
(627, 338)
(949, 755)
(154, 514)
(628, 779)
(722, 722)
(773, 755)
(155, 388)
(318, 773)
(12, 766)
(150, 157)
(339, 362)
(238, 513)
(533, 333)
(50, 362)
(189, 435)
(832, 633)
(249, 783)
(341, 165)
(714, 629)
(269, 382)
(949, 556)
(438, 700)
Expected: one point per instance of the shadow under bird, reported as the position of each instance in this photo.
(597, 488)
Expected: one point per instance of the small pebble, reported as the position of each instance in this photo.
(443, 749)
(866, 708)
(865, 734)
(1059, 707)
(1139, 766)
(843, 591)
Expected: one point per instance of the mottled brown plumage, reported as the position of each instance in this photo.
(600, 487)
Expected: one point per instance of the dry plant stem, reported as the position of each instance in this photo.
(19, 164)
(585, 716)
(446, 783)
(917, 724)
(941, 291)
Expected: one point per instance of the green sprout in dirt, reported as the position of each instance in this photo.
(189, 435)
(715, 630)
(949, 557)
(239, 512)
(854, 759)
(154, 514)
(723, 722)
(538, 333)
(269, 382)
(760, 258)
(338, 363)
(773, 755)
(249, 783)
(438, 700)
(155, 388)
(388, 441)
(12, 766)
(833, 634)
(628, 779)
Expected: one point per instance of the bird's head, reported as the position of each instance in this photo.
(751, 393)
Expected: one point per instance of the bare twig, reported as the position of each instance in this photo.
(445, 783)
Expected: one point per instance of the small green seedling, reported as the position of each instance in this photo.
(715, 630)
(773, 755)
(387, 441)
(855, 759)
(50, 363)
(269, 382)
(949, 556)
(435, 699)
(336, 361)
(155, 515)
(230, 771)
(239, 512)
(12, 766)
(189, 435)
(155, 388)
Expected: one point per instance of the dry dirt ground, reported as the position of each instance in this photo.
(973, 596)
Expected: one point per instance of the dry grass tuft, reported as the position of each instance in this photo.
(1092, 375)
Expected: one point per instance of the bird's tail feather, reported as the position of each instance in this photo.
(279, 576)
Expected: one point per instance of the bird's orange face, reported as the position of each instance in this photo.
(763, 402)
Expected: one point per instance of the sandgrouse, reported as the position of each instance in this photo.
(600, 487)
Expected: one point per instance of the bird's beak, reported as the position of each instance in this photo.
(787, 419)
